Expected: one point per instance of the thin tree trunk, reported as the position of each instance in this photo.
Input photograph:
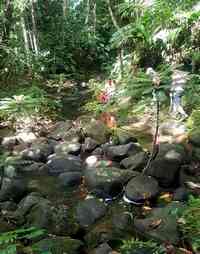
(34, 28)
(115, 23)
(94, 17)
(87, 12)
(8, 14)
(65, 5)
(25, 35)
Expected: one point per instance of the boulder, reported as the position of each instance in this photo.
(61, 164)
(73, 135)
(117, 153)
(9, 142)
(35, 169)
(181, 194)
(161, 224)
(12, 189)
(8, 206)
(89, 211)
(141, 188)
(103, 248)
(135, 162)
(68, 148)
(57, 245)
(194, 138)
(96, 130)
(60, 130)
(35, 210)
(69, 179)
(26, 137)
(89, 144)
(165, 168)
(37, 152)
(109, 180)
(124, 137)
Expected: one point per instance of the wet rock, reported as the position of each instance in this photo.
(27, 203)
(68, 148)
(135, 162)
(194, 138)
(124, 138)
(63, 221)
(37, 152)
(165, 168)
(121, 221)
(107, 179)
(196, 153)
(122, 151)
(8, 206)
(26, 137)
(9, 142)
(185, 177)
(181, 194)
(60, 130)
(98, 151)
(70, 179)
(37, 168)
(12, 189)
(96, 130)
(10, 171)
(103, 248)
(58, 245)
(161, 224)
(88, 211)
(141, 188)
(61, 164)
(89, 144)
(73, 135)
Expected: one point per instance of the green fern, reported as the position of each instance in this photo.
(9, 241)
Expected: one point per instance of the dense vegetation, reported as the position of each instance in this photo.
(52, 51)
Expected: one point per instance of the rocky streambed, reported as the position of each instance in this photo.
(88, 190)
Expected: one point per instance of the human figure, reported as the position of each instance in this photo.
(179, 79)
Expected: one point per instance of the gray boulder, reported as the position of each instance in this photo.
(60, 130)
(107, 179)
(161, 224)
(89, 144)
(122, 151)
(165, 168)
(70, 179)
(194, 138)
(37, 152)
(57, 245)
(141, 188)
(68, 148)
(12, 189)
(96, 130)
(103, 248)
(88, 211)
(135, 162)
(61, 164)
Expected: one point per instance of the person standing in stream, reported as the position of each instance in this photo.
(179, 79)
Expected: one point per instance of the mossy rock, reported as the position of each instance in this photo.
(194, 138)
(58, 245)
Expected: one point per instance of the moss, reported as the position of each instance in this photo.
(58, 245)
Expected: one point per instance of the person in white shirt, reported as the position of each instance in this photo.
(179, 79)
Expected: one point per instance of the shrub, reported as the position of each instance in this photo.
(190, 223)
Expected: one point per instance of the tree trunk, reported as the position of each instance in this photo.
(25, 35)
(115, 23)
(34, 28)
(87, 12)
(8, 17)
(94, 17)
